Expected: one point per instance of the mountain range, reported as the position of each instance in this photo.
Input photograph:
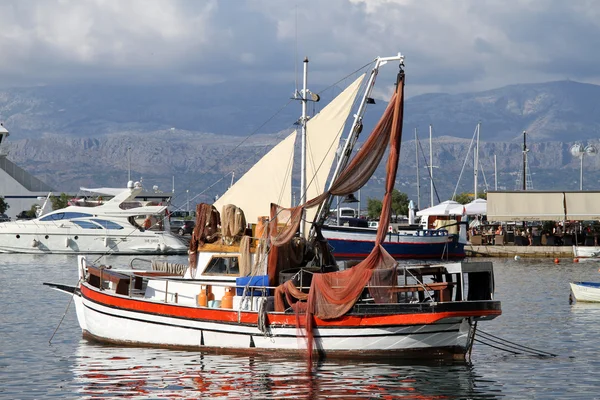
(71, 136)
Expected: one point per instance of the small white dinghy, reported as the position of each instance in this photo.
(585, 291)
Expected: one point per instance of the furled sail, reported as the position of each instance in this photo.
(269, 180)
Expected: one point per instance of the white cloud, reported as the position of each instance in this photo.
(460, 45)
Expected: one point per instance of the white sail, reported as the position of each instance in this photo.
(323, 133)
(269, 180)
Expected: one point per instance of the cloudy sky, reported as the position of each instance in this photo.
(450, 45)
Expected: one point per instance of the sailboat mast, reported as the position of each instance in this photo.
(431, 165)
(303, 145)
(476, 161)
(524, 160)
(495, 174)
(418, 180)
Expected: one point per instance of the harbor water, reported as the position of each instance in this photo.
(536, 314)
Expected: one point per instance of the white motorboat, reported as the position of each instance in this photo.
(585, 291)
(115, 226)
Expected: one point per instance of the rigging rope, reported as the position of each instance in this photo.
(65, 313)
(508, 345)
(464, 164)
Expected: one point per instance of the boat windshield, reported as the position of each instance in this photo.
(223, 266)
(87, 225)
(107, 224)
(64, 215)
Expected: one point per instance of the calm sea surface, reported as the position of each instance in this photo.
(536, 313)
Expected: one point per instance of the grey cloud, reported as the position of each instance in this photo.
(450, 46)
(483, 46)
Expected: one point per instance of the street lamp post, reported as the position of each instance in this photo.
(578, 150)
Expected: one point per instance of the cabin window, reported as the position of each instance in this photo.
(478, 285)
(223, 266)
(87, 225)
(64, 215)
(107, 224)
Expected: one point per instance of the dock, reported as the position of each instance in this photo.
(521, 251)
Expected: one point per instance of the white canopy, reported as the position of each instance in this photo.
(476, 207)
(441, 209)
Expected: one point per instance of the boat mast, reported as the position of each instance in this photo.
(431, 166)
(303, 145)
(476, 161)
(524, 160)
(495, 174)
(355, 130)
(418, 180)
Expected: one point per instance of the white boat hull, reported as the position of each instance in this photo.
(73, 241)
(120, 324)
(585, 291)
(586, 252)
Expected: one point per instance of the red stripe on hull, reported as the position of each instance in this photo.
(229, 316)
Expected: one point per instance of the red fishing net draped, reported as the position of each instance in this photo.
(206, 230)
(331, 295)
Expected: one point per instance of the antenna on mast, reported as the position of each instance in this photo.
(296, 49)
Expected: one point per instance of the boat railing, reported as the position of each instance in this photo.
(130, 283)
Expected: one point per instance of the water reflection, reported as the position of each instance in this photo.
(140, 372)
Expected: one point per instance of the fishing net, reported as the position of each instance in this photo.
(245, 258)
(206, 230)
(233, 224)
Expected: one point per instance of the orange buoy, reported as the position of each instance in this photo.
(202, 298)
(227, 300)
(556, 261)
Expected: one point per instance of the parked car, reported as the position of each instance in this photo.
(182, 227)
(4, 218)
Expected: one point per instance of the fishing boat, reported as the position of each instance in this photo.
(113, 226)
(586, 252)
(585, 291)
(352, 241)
(276, 288)
(409, 242)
